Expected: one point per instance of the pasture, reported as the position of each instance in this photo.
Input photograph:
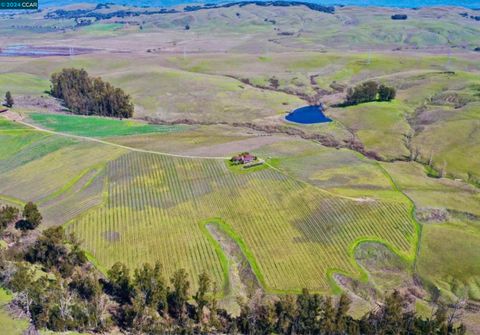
(92, 126)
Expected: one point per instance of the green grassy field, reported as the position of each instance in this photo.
(96, 126)
(449, 259)
(64, 176)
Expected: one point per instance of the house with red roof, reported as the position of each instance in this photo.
(243, 158)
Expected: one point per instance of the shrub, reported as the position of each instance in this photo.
(386, 93)
(9, 100)
(54, 249)
(8, 214)
(399, 17)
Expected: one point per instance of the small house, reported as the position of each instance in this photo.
(243, 158)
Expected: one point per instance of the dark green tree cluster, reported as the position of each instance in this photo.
(150, 305)
(314, 314)
(85, 95)
(66, 295)
(31, 217)
(369, 91)
(56, 251)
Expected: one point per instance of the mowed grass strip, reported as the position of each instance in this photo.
(10, 325)
(295, 233)
(92, 126)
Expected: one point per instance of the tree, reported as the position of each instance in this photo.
(386, 93)
(83, 94)
(274, 83)
(392, 313)
(364, 92)
(309, 307)
(32, 214)
(149, 283)
(286, 310)
(55, 250)
(87, 286)
(201, 296)
(8, 214)
(119, 280)
(367, 92)
(328, 318)
(342, 310)
(178, 298)
(31, 217)
(9, 99)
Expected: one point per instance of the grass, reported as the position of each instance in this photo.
(450, 260)
(10, 325)
(174, 94)
(448, 257)
(191, 138)
(429, 192)
(102, 28)
(240, 168)
(380, 126)
(96, 126)
(21, 83)
(339, 171)
(39, 178)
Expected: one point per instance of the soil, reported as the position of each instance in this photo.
(43, 102)
(242, 281)
(111, 236)
(225, 149)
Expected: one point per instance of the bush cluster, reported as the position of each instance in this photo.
(30, 219)
(369, 91)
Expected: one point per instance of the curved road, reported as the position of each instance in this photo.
(10, 117)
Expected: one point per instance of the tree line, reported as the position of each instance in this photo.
(71, 294)
(86, 95)
(369, 91)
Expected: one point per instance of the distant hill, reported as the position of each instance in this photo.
(473, 4)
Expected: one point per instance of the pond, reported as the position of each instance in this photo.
(21, 50)
(308, 115)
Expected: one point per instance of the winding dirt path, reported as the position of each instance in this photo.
(19, 119)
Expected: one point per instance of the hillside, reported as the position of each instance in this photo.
(385, 197)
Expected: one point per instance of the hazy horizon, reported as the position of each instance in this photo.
(475, 4)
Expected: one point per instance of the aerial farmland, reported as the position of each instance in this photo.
(255, 153)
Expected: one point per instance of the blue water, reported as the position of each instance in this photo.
(307, 115)
(475, 4)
